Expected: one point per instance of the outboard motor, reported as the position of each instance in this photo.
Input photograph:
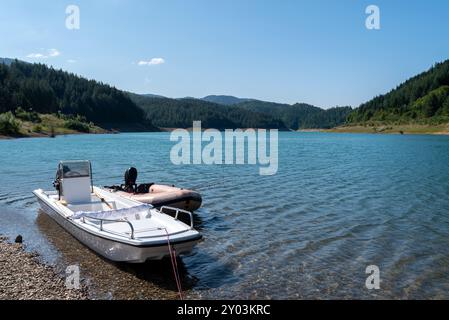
(130, 180)
(57, 183)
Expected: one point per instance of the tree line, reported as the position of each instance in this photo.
(300, 115)
(174, 113)
(423, 98)
(27, 90)
(180, 113)
(48, 91)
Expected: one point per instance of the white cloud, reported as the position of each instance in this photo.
(35, 55)
(71, 61)
(152, 62)
(53, 53)
(50, 53)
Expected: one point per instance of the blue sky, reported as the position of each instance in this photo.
(318, 52)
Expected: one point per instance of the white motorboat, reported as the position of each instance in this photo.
(115, 227)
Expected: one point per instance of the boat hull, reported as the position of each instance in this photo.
(114, 250)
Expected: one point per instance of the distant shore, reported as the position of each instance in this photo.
(441, 129)
(23, 277)
(45, 135)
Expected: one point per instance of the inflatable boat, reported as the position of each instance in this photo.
(156, 194)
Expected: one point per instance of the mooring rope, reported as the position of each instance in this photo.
(174, 264)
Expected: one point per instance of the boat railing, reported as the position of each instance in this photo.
(177, 211)
(111, 220)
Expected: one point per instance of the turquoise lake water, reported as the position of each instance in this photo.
(339, 203)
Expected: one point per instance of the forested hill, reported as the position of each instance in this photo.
(29, 90)
(174, 113)
(300, 115)
(49, 91)
(225, 100)
(180, 113)
(423, 98)
(6, 61)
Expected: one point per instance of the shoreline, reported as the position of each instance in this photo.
(35, 136)
(410, 129)
(24, 277)
(358, 129)
(51, 125)
(43, 135)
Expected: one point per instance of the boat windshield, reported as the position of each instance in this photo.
(74, 169)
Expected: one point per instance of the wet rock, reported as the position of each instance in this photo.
(19, 239)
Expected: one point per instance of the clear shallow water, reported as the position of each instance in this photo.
(339, 203)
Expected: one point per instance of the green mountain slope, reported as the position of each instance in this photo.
(49, 91)
(225, 100)
(78, 101)
(300, 115)
(421, 99)
(180, 113)
(6, 61)
(171, 113)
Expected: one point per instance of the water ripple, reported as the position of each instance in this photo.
(338, 204)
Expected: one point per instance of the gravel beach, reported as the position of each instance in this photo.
(23, 277)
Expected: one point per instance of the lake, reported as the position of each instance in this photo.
(338, 203)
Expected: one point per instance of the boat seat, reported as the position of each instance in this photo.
(77, 190)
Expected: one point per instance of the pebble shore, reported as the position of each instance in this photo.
(23, 277)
